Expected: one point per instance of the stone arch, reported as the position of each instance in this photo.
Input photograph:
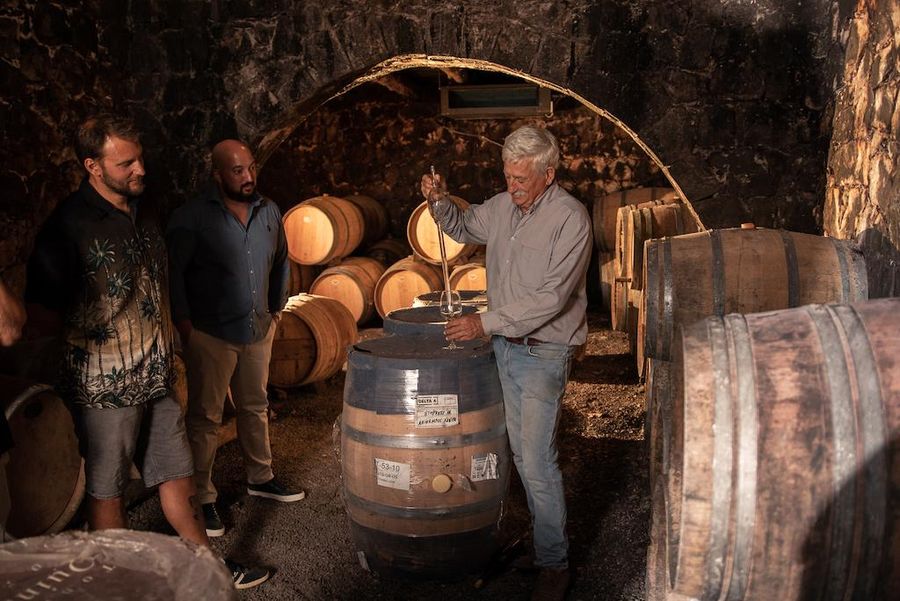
(270, 140)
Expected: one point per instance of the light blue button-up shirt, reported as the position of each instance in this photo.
(536, 263)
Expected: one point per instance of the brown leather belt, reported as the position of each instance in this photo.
(527, 340)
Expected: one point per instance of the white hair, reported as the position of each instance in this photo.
(533, 143)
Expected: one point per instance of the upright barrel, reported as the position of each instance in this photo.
(743, 271)
(45, 471)
(321, 229)
(784, 460)
(424, 456)
(425, 320)
(474, 298)
(113, 564)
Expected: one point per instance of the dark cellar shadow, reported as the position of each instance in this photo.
(865, 504)
(605, 369)
(608, 512)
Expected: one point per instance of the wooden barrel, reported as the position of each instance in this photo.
(636, 224)
(474, 298)
(351, 283)
(657, 419)
(375, 217)
(321, 229)
(785, 447)
(741, 271)
(45, 471)
(470, 276)
(607, 263)
(311, 340)
(624, 303)
(425, 468)
(113, 564)
(402, 282)
(301, 277)
(419, 321)
(605, 209)
(388, 251)
(422, 233)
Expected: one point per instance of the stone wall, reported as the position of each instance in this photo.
(863, 190)
(732, 95)
(379, 143)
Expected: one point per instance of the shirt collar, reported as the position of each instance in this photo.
(537, 201)
(93, 199)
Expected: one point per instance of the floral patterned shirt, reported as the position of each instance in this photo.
(105, 272)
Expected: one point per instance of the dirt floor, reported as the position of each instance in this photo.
(604, 465)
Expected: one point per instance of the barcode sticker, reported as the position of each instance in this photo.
(391, 474)
(484, 467)
(437, 410)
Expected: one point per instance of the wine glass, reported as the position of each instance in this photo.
(450, 307)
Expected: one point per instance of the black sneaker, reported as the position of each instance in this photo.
(214, 525)
(273, 489)
(245, 576)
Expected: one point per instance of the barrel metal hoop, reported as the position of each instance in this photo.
(793, 269)
(861, 278)
(872, 466)
(722, 456)
(651, 302)
(844, 456)
(745, 476)
(432, 441)
(679, 218)
(668, 309)
(840, 248)
(24, 396)
(325, 210)
(718, 272)
(424, 513)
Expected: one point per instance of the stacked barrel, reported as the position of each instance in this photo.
(772, 417)
(775, 464)
(338, 251)
(331, 291)
(420, 273)
(623, 221)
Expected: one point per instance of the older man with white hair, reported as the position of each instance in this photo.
(538, 241)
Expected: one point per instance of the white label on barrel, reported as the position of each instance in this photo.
(484, 467)
(392, 474)
(437, 410)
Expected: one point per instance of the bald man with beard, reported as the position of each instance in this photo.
(228, 283)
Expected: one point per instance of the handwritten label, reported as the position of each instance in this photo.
(391, 474)
(484, 467)
(437, 410)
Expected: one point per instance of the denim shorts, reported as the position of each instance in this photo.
(151, 435)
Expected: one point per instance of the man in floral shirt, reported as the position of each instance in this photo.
(98, 274)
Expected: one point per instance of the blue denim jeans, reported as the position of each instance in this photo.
(533, 379)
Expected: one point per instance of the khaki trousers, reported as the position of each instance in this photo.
(212, 365)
